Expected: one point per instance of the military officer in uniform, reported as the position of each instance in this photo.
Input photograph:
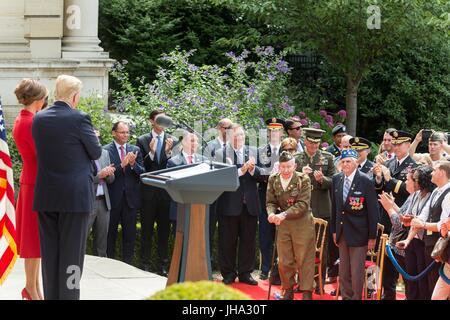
(267, 157)
(362, 146)
(318, 164)
(391, 177)
(338, 132)
(290, 192)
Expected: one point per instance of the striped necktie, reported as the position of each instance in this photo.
(346, 189)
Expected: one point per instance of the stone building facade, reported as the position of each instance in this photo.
(42, 39)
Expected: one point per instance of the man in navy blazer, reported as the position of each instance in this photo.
(124, 191)
(156, 148)
(238, 211)
(64, 194)
(354, 223)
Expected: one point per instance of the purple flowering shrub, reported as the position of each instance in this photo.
(247, 91)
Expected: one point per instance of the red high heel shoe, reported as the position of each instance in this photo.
(25, 295)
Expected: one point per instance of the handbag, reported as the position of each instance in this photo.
(439, 252)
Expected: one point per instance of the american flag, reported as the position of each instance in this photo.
(8, 248)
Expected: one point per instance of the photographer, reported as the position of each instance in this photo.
(438, 148)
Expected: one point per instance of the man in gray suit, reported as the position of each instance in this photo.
(102, 204)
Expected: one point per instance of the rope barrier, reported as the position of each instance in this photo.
(405, 275)
(442, 274)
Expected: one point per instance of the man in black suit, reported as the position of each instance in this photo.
(64, 194)
(353, 223)
(391, 177)
(267, 156)
(124, 191)
(362, 146)
(238, 211)
(156, 148)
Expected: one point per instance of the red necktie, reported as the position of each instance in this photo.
(189, 159)
(122, 153)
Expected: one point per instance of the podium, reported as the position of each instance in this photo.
(194, 187)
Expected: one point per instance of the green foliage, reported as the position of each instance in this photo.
(140, 31)
(101, 119)
(243, 90)
(201, 290)
(15, 158)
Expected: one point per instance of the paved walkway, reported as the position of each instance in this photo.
(103, 279)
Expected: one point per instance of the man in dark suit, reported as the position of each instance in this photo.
(362, 146)
(64, 194)
(391, 177)
(238, 212)
(267, 157)
(99, 218)
(338, 133)
(156, 148)
(187, 155)
(293, 127)
(353, 224)
(124, 191)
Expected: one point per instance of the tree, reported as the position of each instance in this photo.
(141, 31)
(351, 34)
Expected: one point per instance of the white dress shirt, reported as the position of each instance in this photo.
(445, 205)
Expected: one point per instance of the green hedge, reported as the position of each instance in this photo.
(201, 290)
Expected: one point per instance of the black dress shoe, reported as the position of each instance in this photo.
(248, 280)
(228, 280)
(307, 295)
(288, 295)
(263, 276)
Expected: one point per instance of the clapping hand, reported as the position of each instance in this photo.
(307, 169)
(152, 146)
(250, 164)
(318, 175)
(419, 136)
(107, 171)
(169, 145)
(386, 200)
(132, 158)
(386, 173)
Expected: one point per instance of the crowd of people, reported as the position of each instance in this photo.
(71, 185)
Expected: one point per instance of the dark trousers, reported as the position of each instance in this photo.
(126, 216)
(155, 208)
(433, 275)
(415, 264)
(237, 235)
(266, 233)
(390, 277)
(213, 218)
(63, 245)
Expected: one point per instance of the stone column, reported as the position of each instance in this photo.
(13, 45)
(80, 33)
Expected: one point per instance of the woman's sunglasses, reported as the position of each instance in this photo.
(296, 128)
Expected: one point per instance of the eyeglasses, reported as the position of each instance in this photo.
(296, 128)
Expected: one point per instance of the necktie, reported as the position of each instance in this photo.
(122, 153)
(275, 151)
(189, 159)
(346, 189)
(158, 147)
(397, 164)
(239, 157)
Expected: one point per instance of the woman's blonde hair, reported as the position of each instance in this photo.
(28, 91)
(289, 142)
(66, 87)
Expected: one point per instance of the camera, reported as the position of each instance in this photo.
(426, 133)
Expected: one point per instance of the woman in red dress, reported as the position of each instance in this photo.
(32, 95)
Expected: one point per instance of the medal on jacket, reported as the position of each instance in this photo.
(356, 202)
(291, 201)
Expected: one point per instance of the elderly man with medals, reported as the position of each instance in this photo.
(290, 192)
(353, 223)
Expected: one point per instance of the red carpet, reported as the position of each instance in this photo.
(260, 291)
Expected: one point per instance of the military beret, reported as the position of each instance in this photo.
(340, 128)
(275, 124)
(286, 156)
(349, 153)
(313, 135)
(359, 143)
(399, 137)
